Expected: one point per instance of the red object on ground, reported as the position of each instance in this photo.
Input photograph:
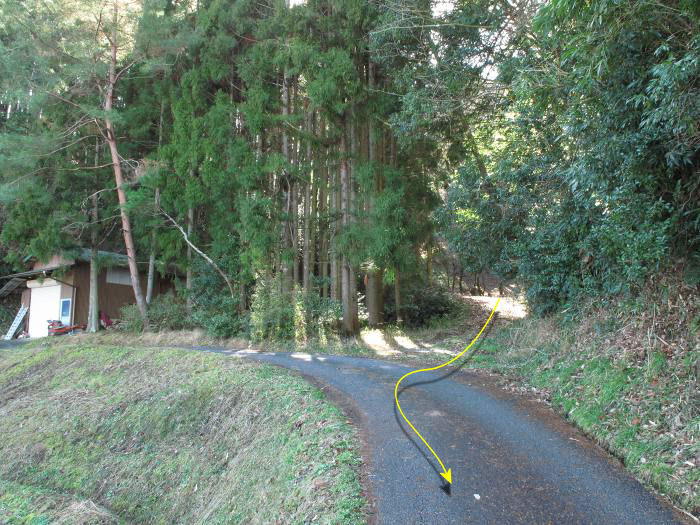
(105, 321)
(57, 328)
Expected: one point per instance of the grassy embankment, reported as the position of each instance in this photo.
(97, 434)
(627, 380)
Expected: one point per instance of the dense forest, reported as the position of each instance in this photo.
(317, 165)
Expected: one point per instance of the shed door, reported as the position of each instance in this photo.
(44, 306)
(66, 311)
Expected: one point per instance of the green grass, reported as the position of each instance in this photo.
(98, 434)
(644, 408)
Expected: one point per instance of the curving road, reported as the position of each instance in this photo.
(512, 460)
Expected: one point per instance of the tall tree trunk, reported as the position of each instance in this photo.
(334, 203)
(322, 213)
(354, 205)
(309, 209)
(296, 160)
(296, 274)
(152, 256)
(242, 297)
(348, 285)
(375, 296)
(397, 295)
(375, 277)
(287, 282)
(188, 274)
(118, 177)
(93, 321)
(393, 157)
(156, 208)
(93, 324)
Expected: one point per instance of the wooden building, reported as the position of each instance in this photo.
(59, 289)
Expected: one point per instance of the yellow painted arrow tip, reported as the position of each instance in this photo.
(447, 475)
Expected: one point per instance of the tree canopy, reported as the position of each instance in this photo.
(302, 163)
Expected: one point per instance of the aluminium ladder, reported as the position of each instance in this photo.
(15, 324)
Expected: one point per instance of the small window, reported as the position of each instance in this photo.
(118, 276)
(65, 311)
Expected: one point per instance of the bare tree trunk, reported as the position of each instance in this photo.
(188, 274)
(334, 203)
(306, 270)
(287, 281)
(204, 256)
(393, 159)
(296, 276)
(397, 295)
(242, 297)
(375, 297)
(313, 228)
(375, 277)
(323, 217)
(152, 257)
(154, 231)
(353, 206)
(119, 178)
(309, 210)
(93, 320)
(348, 292)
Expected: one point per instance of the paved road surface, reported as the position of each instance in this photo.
(525, 464)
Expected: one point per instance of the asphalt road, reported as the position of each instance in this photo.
(512, 461)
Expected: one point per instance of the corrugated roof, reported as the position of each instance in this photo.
(11, 286)
(31, 273)
(103, 257)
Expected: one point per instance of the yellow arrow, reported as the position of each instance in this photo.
(446, 473)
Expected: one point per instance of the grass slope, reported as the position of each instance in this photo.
(111, 435)
(620, 375)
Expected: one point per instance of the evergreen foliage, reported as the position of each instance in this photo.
(319, 154)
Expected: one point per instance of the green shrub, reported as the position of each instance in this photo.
(130, 320)
(213, 308)
(275, 315)
(272, 315)
(419, 304)
(169, 312)
(165, 312)
(218, 315)
(317, 316)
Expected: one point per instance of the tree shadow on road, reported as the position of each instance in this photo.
(445, 487)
